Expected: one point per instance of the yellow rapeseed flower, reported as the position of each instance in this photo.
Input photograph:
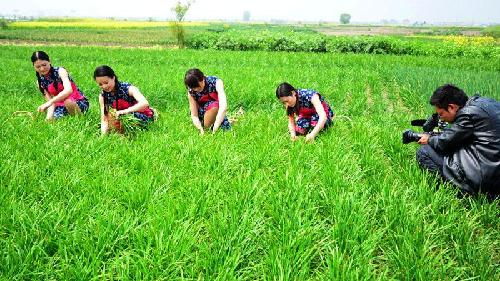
(101, 23)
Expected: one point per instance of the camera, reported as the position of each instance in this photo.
(428, 125)
(410, 136)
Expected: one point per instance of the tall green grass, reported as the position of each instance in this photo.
(246, 204)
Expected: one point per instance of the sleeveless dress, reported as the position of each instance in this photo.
(307, 117)
(207, 99)
(122, 100)
(52, 83)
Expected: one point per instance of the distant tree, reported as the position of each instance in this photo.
(246, 16)
(4, 24)
(180, 9)
(345, 18)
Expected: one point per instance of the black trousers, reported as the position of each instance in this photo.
(431, 160)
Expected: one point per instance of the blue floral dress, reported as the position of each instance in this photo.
(207, 99)
(122, 100)
(52, 83)
(307, 117)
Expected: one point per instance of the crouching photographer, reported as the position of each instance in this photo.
(428, 125)
(466, 153)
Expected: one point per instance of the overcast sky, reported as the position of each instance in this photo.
(473, 11)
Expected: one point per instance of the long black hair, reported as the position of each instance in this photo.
(106, 71)
(286, 90)
(41, 55)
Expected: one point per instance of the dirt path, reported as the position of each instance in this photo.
(79, 44)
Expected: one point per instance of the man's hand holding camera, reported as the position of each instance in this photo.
(428, 125)
(424, 139)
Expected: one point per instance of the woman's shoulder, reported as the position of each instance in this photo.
(212, 79)
(307, 92)
(124, 85)
(310, 91)
(55, 71)
(61, 72)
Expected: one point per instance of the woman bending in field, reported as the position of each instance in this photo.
(311, 110)
(119, 99)
(207, 101)
(61, 94)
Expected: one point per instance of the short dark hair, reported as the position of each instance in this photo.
(448, 94)
(193, 78)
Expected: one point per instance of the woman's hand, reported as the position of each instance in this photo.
(44, 106)
(310, 137)
(118, 113)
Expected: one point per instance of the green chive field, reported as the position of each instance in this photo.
(248, 204)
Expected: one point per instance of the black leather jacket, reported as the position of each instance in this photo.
(472, 146)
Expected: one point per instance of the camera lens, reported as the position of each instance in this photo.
(410, 136)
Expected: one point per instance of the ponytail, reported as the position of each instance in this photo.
(39, 83)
